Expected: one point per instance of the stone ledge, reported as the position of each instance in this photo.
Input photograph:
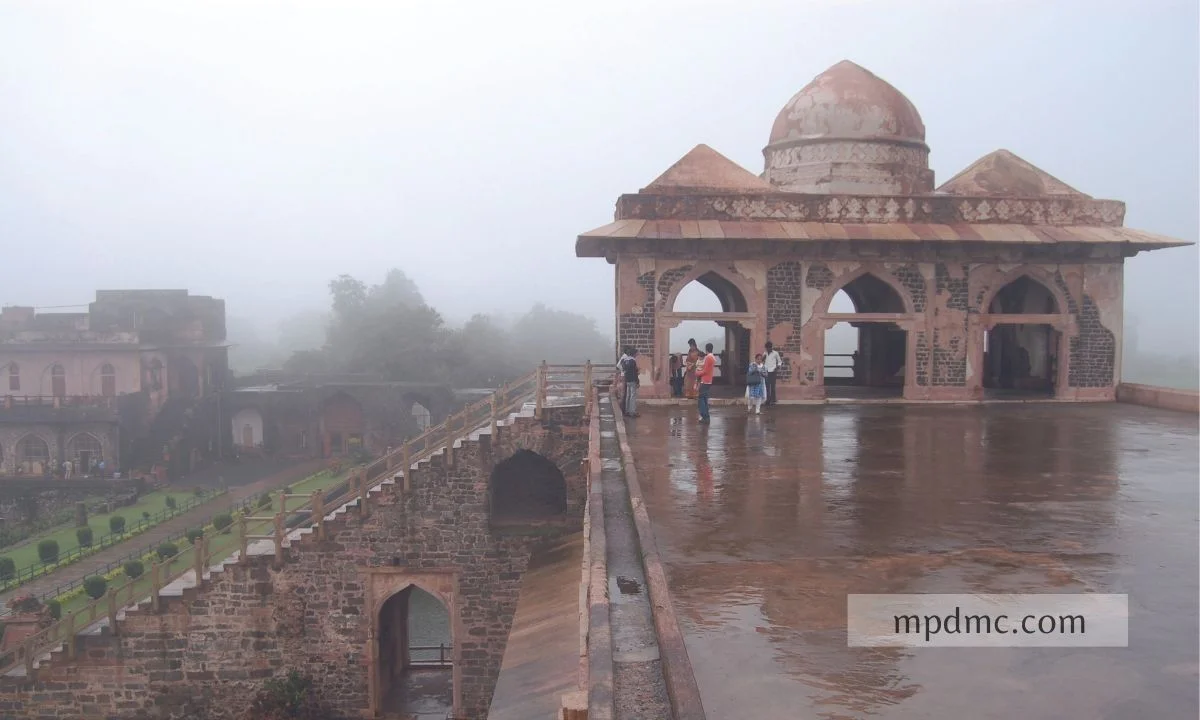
(1159, 397)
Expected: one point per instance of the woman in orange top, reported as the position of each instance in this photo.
(689, 376)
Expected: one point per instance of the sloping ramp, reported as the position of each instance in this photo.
(541, 660)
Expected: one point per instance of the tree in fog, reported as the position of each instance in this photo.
(558, 336)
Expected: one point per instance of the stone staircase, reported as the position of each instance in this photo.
(97, 642)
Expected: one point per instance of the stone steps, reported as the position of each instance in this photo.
(96, 640)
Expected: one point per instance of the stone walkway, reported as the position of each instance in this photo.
(638, 685)
(180, 523)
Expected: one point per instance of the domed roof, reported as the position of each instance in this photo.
(848, 102)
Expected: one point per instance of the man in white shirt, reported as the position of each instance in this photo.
(771, 365)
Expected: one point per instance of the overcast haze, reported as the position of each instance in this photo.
(254, 150)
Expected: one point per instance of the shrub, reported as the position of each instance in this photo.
(146, 515)
(95, 586)
(8, 568)
(171, 504)
(55, 608)
(193, 534)
(48, 551)
(287, 490)
(198, 492)
(167, 550)
(134, 569)
(116, 524)
(84, 536)
(264, 500)
(222, 522)
(25, 604)
(289, 697)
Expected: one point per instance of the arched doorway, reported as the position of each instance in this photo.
(866, 348)
(421, 416)
(711, 309)
(341, 424)
(33, 456)
(526, 488)
(414, 655)
(85, 451)
(247, 428)
(1022, 339)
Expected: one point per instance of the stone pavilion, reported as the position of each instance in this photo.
(1002, 281)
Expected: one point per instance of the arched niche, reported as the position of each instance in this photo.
(526, 488)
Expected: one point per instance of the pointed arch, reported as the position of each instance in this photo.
(33, 455)
(526, 487)
(731, 289)
(877, 279)
(1035, 274)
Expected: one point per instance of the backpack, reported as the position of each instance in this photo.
(753, 375)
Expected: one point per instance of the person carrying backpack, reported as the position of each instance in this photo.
(755, 385)
(629, 370)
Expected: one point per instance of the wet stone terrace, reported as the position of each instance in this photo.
(767, 522)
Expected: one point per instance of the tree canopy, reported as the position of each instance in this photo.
(389, 330)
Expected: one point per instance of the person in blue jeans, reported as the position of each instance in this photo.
(704, 375)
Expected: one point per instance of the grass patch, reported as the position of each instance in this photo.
(154, 503)
(220, 545)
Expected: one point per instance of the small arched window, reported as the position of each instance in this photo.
(108, 380)
(58, 381)
(14, 377)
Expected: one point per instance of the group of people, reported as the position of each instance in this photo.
(691, 375)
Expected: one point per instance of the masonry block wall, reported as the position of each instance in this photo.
(206, 654)
(946, 303)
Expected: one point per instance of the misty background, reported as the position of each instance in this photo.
(257, 151)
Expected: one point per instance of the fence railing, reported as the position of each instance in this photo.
(444, 656)
(59, 401)
(544, 387)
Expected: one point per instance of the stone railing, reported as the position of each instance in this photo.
(1159, 397)
(547, 385)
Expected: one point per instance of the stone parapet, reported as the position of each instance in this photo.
(1159, 397)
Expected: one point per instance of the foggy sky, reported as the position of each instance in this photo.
(253, 150)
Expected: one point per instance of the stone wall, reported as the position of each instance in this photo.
(58, 438)
(205, 655)
(946, 305)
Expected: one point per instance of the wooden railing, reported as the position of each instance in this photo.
(543, 387)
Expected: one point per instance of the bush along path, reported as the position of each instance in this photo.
(70, 576)
(68, 544)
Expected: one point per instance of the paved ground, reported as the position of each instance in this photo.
(766, 523)
(279, 475)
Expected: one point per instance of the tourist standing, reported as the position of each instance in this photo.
(621, 377)
(771, 364)
(676, 375)
(690, 366)
(755, 385)
(704, 374)
(630, 370)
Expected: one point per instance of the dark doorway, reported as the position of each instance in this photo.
(865, 358)
(415, 655)
(1021, 358)
(527, 488)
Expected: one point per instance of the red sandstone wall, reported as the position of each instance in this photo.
(945, 301)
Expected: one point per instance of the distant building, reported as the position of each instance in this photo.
(330, 415)
(129, 381)
(1002, 279)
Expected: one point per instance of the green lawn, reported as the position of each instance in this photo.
(153, 503)
(221, 546)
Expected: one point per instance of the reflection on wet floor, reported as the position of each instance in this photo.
(767, 523)
(422, 694)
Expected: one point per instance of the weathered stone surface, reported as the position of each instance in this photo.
(208, 652)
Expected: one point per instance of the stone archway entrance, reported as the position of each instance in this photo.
(709, 308)
(874, 320)
(414, 644)
(1023, 340)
